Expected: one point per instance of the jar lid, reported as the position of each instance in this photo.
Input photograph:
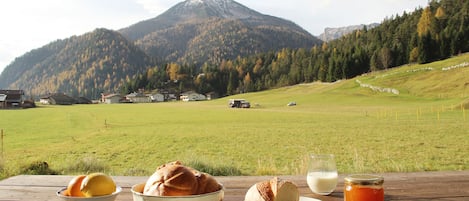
(364, 179)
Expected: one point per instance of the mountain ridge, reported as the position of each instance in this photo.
(333, 33)
(85, 64)
(192, 31)
(201, 17)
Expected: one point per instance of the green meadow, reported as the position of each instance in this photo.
(423, 128)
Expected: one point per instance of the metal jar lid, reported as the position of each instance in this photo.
(364, 179)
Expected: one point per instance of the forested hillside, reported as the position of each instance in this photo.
(195, 32)
(190, 33)
(216, 39)
(428, 34)
(88, 65)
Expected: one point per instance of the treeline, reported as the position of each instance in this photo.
(425, 35)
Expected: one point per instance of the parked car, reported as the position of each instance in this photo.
(239, 103)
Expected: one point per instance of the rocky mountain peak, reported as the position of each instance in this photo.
(212, 8)
(206, 1)
(335, 33)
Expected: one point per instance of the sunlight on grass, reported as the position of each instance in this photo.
(424, 128)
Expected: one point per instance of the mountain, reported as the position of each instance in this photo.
(196, 31)
(335, 33)
(88, 64)
(425, 35)
(192, 32)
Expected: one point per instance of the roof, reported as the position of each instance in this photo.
(12, 95)
(11, 92)
(60, 99)
(136, 95)
(83, 100)
(112, 95)
(187, 93)
(3, 97)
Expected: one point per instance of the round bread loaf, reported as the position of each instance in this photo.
(172, 179)
(273, 190)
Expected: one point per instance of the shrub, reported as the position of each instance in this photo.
(86, 165)
(214, 170)
(136, 172)
(38, 168)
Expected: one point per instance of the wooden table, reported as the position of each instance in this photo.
(452, 185)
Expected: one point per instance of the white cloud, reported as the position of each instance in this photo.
(156, 7)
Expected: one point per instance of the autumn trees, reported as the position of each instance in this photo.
(435, 32)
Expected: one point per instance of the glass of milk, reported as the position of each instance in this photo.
(322, 174)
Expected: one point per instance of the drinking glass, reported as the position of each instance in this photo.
(322, 174)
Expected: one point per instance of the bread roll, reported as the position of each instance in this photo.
(175, 179)
(273, 190)
(206, 183)
(172, 179)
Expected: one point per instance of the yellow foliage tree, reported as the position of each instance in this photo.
(440, 13)
(424, 24)
(173, 71)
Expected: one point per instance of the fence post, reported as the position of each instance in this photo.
(464, 113)
(1, 134)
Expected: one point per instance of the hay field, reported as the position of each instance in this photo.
(423, 128)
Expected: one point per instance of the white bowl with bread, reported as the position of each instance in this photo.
(176, 182)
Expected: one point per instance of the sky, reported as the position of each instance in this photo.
(30, 24)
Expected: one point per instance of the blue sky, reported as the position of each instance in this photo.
(30, 24)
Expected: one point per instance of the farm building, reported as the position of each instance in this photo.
(11, 98)
(57, 99)
(83, 100)
(157, 97)
(192, 96)
(111, 98)
(212, 95)
(138, 98)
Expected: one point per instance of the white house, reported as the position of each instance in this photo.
(111, 98)
(192, 96)
(138, 98)
(157, 97)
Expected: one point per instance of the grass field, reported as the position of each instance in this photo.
(424, 128)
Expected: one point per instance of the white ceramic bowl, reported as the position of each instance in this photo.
(138, 196)
(111, 197)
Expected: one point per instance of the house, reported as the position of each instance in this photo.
(111, 98)
(3, 98)
(170, 97)
(11, 98)
(157, 97)
(57, 99)
(44, 100)
(138, 98)
(212, 95)
(192, 96)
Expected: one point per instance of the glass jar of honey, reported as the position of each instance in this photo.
(364, 187)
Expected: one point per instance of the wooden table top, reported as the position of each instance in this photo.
(451, 185)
